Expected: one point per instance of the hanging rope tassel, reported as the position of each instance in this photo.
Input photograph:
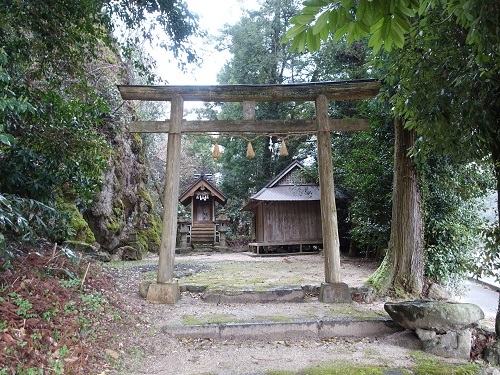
(250, 153)
(216, 151)
(283, 149)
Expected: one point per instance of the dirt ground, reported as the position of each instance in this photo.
(146, 349)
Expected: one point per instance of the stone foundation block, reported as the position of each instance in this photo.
(334, 293)
(492, 354)
(167, 293)
(452, 344)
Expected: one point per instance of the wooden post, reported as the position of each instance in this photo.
(166, 291)
(332, 290)
(171, 192)
(248, 110)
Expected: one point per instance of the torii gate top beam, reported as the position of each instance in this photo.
(302, 92)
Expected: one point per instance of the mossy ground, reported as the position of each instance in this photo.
(203, 319)
(246, 275)
(345, 368)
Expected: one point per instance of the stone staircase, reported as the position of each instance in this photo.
(203, 233)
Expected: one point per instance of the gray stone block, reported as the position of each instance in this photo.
(334, 293)
(452, 344)
(492, 354)
(167, 293)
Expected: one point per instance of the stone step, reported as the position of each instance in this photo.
(203, 225)
(284, 294)
(299, 329)
(202, 231)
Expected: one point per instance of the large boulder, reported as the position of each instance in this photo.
(434, 315)
(443, 327)
(438, 293)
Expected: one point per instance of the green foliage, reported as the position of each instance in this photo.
(57, 146)
(55, 101)
(258, 58)
(487, 261)
(27, 220)
(363, 168)
(167, 23)
(389, 22)
(450, 194)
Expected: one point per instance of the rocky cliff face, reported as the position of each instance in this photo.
(122, 212)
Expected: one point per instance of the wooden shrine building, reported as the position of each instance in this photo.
(287, 213)
(202, 196)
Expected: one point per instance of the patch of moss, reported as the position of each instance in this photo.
(241, 275)
(381, 278)
(429, 365)
(137, 147)
(348, 310)
(273, 318)
(446, 369)
(144, 194)
(118, 208)
(78, 223)
(191, 320)
(150, 239)
(336, 368)
(113, 226)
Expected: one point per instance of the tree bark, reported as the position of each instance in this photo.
(402, 268)
(495, 154)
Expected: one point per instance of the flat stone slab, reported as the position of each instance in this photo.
(301, 293)
(300, 329)
(434, 315)
(288, 294)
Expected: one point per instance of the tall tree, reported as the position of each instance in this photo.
(448, 91)
(259, 58)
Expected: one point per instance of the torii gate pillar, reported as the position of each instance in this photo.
(166, 290)
(332, 290)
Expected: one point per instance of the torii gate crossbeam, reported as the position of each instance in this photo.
(166, 290)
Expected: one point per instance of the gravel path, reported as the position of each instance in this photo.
(151, 351)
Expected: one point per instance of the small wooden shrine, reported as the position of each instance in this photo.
(202, 196)
(287, 213)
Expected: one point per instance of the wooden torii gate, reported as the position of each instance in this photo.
(166, 290)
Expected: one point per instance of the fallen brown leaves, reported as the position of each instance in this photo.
(52, 318)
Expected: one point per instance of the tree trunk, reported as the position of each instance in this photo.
(495, 154)
(401, 270)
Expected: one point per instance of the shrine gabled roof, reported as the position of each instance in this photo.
(285, 189)
(201, 183)
(294, 165)
(288, 193)
(278, 190)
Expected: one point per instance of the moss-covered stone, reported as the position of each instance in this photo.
(118, 208)
(137, 146)
(113, 226)
(78, 223)
(150, 239)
